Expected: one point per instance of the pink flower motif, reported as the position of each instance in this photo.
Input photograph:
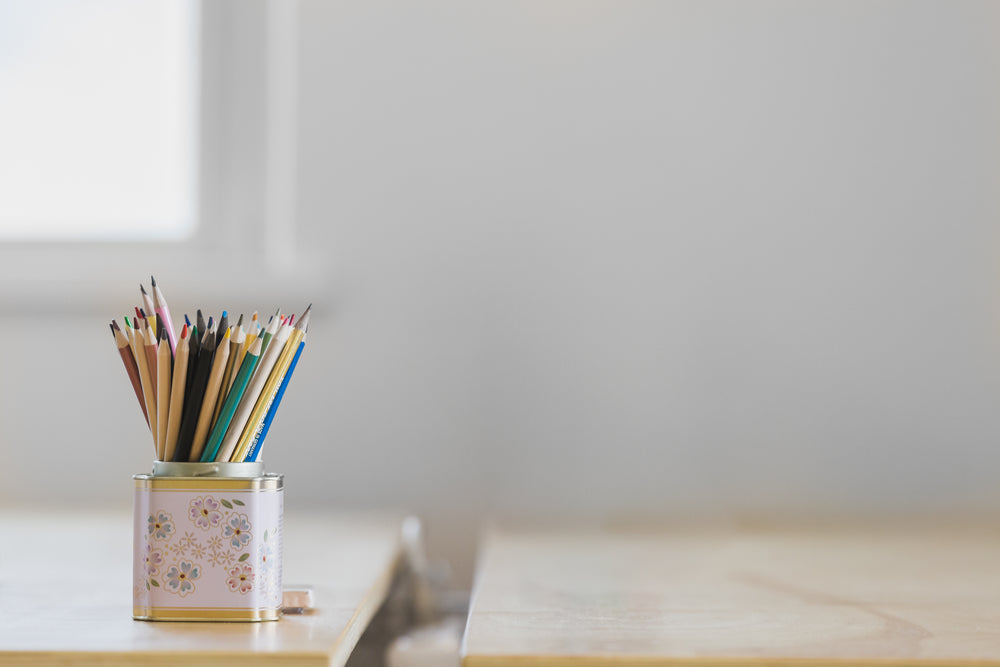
(237, 530)
(205, 513)
(154, 559)
(241, 578)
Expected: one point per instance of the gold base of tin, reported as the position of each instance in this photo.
(193, 614)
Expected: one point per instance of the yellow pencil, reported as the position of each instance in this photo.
(163, 359)
(205, 419)
(177, 394)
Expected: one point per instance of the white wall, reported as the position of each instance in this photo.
(611, 259)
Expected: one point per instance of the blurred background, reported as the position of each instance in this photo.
(583, 260)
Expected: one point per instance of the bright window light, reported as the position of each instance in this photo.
(97, 119)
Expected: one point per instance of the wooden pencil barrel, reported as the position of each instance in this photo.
(207, 543)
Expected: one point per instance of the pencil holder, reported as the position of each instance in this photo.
(207, 543)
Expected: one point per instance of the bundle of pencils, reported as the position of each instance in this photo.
(211, 393)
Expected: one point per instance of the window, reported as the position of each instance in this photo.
(98, 120)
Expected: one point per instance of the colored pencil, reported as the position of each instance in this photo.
(247, 368)
(177, 387)
(148, 395)
(232, 367)
(249, 399)
(194, 397)
(163, 310)
(194, 334)
(268, 334)
(150, 347)
(270, 390)
(258, 442)
(128, 359)
(222, 351)
(211, 390)
(150, 311)
(163, 361)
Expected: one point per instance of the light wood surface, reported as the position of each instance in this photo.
(66, 591)
(873, 595)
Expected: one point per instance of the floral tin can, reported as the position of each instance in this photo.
(207, 543)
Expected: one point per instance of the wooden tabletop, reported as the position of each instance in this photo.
(866, 595)
(66, 589)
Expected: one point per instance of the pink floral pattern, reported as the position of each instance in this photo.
(154, 559)
(241, 578)
(205, 512)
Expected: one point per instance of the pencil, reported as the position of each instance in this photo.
(148, 303)
(193, 399)
(125, 350)
(235, 340)
(160, 303)
(222, 351)
(194, 334)
(270, 389)
(177, 386)
(249, 399)
(150, 347)
(272, 327)
(200, 322)
(142, 361)
(250, 360)
(163, 359)
(258, 442)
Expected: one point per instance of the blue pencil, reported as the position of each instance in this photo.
(259, 442)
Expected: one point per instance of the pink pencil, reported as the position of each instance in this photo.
(164, 312)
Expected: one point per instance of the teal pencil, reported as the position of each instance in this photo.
(232, 401)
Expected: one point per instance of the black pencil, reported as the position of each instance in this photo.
(194, 397)
(194, 347)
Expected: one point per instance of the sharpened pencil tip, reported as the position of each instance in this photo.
(187, 322)
(239, 322)
(143, 289)
(111, 326)
(152, 280)
(225, 313)
(114, 326)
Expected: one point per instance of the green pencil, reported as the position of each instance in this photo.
(272, 327)
(232, 401)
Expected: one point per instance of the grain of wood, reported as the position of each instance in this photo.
(863, 595)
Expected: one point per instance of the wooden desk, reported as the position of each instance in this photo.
(903, 596)
(66, 586)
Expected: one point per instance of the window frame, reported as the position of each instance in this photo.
(245, 182)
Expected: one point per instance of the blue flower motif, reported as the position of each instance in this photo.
(237, 529)
(160, 526)
(180, 580)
